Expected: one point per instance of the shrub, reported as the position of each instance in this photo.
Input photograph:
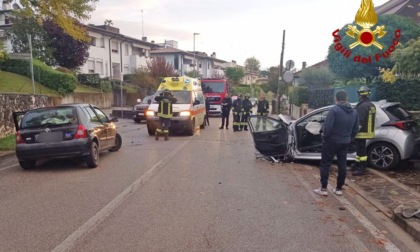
(92, 80)
(106, 85)
(299, 95)
(62, 82)
(404, 91)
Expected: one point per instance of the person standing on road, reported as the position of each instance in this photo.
(339, 128)
(246, 112)
(237, 113)
(165, 100)
(263, 107)
(206, 117)
(226, 107)
(367, 112)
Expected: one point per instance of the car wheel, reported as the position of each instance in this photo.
(27, 164)
(118, 143)
(93, 157)
(383, 156)
(191, 128)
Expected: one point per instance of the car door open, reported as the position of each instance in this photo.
(270, 136)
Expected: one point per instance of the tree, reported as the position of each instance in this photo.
(273, 81)
(316, 77)
(68, 52)
(407, 60)
(347, 69)
(235, 74)
(3, 53)
(193, 73)
(18, 35)
(252, 64)
(159, 69)
(141, 78)
(62, 12)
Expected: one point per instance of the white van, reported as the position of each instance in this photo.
(189, 110)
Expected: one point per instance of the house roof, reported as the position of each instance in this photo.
(170, 50)
(408, 8)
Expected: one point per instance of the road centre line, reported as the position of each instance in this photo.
(388, 245)
(8, 167)
(71, 241)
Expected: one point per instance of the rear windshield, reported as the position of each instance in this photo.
(50, 117)
(397, 113)
(182, 97)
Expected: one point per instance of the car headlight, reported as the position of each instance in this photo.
(185, 113)
(150, 113)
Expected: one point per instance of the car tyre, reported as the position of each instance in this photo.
(383, 156)
(191, 128)
(92, 159)
(27, 164)
(118, 143)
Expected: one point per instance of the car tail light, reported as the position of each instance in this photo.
(402, 125)
(19, 139)
(81, 132)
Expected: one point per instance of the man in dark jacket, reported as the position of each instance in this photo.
(246, 112)
(237, 113)
(226, 107)
(263, 107)
(165, 100)
(339, 128)
(367, 113)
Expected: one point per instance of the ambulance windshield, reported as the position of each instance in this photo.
(183, 97)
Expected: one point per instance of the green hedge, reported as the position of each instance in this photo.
(299, 95)
(64, 83)
(92, 80)
(321, 97)
(404, 91)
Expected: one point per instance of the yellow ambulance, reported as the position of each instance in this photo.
(188, 112)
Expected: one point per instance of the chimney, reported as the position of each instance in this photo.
(303, 65)
(144, 39)
(6, 5)
(213, 55)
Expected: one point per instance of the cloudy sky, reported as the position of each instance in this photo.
(235, 29)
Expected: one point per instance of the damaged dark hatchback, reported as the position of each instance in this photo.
(64, 131)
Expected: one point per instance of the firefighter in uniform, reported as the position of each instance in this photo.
(165, 100)
(246, 112)
(237, 112)
(367, 112)
(263, 107)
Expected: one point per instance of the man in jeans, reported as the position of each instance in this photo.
(339, 128)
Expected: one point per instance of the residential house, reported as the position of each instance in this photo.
(407, 8)
(5, 24)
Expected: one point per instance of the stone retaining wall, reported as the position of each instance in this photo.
(10, 102)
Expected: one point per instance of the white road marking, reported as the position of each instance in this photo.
(388, 245)
(100, 216)
(8, 167)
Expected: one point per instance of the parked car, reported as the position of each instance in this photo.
(396, 136)
(68, 130)
(139, 110)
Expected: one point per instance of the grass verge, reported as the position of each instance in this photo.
(8, 143)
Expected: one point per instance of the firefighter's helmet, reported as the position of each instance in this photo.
(167, 92)
(363, 91)
(247, 96)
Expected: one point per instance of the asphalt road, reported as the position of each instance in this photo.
(207, 192)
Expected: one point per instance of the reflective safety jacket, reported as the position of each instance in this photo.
(165, 106)
(246, 106)
(367, 113)
(263, 107)
(237, 106)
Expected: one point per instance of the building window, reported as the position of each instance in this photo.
(126, 49)
(114, 47)
(99, 67)
(93, 41)
(102, 42)
(91, 66)
(176, 62)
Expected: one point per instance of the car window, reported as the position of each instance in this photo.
(396, 112)
(200, 97)
(146, 100)
(318, 117)
(50, 117)
(101, 115)
(93, 118)
(262, 123)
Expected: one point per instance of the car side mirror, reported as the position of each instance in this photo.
(114, 119)
(196, 102)
(138, 100)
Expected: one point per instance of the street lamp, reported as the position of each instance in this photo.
(195, 33)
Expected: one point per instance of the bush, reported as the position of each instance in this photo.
(106, 85)
(64, 70)
(92, 80)
(404, 91)
(321, 97)
(299, 95)
(62, 82)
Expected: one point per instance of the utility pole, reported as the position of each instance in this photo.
(195, 69)
(142, 27)
(280, 73)
(32, 62)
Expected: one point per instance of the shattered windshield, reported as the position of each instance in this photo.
(50, 117)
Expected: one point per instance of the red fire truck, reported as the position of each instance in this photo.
(215, 90)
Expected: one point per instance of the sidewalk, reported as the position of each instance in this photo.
(389, 196)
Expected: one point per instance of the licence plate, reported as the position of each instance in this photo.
(213, 106)
(50, 137)
(140, 113)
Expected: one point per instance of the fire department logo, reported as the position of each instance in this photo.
(366, 18)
